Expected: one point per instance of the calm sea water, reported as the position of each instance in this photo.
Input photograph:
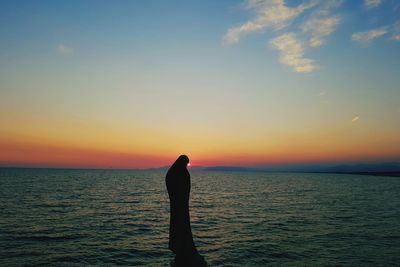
(107, 217)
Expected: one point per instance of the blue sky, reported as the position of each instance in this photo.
(257, 75)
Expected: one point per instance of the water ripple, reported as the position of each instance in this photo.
(108, 218)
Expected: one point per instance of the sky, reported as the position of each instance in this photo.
(134, 84)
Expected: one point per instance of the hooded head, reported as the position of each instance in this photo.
(179, 167)
(181, 162)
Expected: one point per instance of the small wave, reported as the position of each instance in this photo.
(50, 237)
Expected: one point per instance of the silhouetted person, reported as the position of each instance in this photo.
(180, 232)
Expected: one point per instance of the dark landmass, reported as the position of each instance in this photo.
(387, 167)
(228, 168)
(391, 174)
(376, 169)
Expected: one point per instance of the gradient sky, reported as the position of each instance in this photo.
(128, 84)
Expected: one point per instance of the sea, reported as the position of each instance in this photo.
(64, 217)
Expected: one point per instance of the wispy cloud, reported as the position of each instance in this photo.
(64, 50)
(322, 93)
(368, 36)
(319, 29)
(328, 6)
(396, 31)
(277, 15)
(268, 13)
(356, 118)
(322, 23)
(292, 53)
(372, 3)
(323, 97)
(316, 20)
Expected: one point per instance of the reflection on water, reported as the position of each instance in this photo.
(105, 217)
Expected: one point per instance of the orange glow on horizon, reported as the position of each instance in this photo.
(118, 101)
(35, 155)
(65, 144)
(56, 140)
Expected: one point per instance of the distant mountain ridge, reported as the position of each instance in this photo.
(381, 167)
(344, 168)
(227, 168)
(367, 168)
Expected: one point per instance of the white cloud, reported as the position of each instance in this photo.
(368, 36)
(396, 37)
(327, 7)
(356, 118)
(372, 3)
(320, 28)
(323, 97)
(396, 31)
(292, 52)
(314, 23)
(269, 13)
(64, 50)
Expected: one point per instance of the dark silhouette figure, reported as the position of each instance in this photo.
(180, 232)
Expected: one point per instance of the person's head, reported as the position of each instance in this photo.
(182, 161)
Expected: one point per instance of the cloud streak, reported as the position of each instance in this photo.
(277, 15)
(356, 118)
(65, 50)
(327, 7)
(369, 4)
(315, 22)
(319, 28)
(269, 13)
(292, 53)
(396, 31)
(369, 36)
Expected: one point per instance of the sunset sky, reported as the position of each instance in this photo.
(133, 84)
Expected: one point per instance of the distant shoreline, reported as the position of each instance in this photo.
(391, 174)
(236, 169)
